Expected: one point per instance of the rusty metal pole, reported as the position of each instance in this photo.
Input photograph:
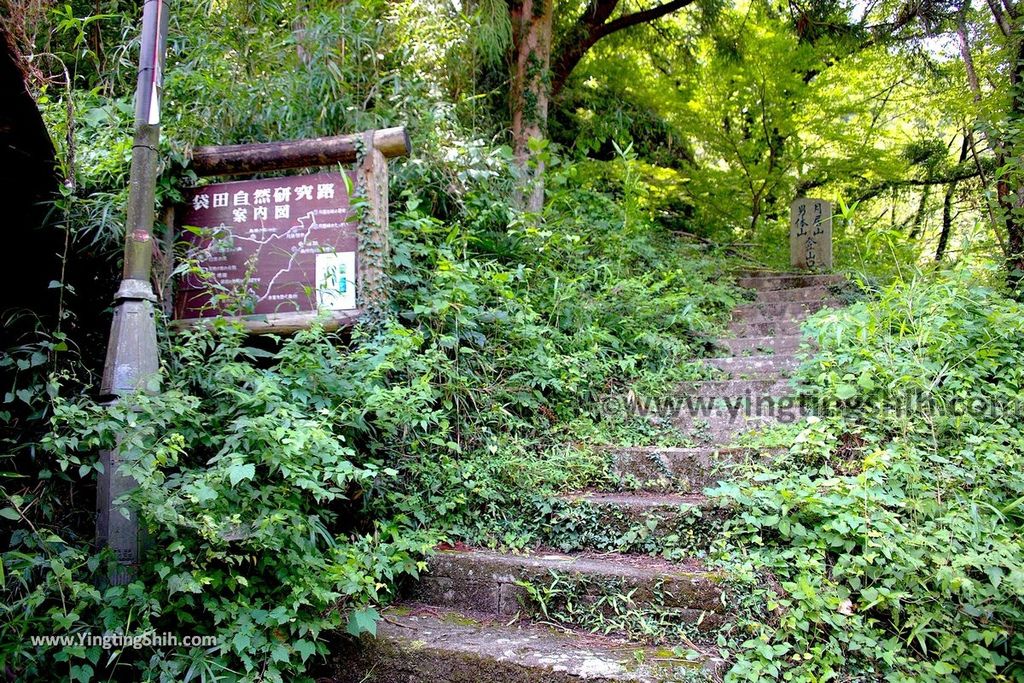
(132, 361)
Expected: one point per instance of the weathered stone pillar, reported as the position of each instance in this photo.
(810, 234)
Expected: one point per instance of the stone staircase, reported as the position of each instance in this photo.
(472, 617)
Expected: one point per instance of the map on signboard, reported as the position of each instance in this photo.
(280, 245)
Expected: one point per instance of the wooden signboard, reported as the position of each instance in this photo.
(278, 253)
(272, 252)
(810, 234)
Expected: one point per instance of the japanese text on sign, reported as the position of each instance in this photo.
(278, 245)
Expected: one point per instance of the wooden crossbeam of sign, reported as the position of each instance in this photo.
(260, 157)
(280, 236)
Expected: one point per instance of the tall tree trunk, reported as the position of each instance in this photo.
(1008, 197)
(922, 210)
(1010, 201)
(1011, 197)
(529, 91)
(947, 204)
(973, 83)
(947, 223)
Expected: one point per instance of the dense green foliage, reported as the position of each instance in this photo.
(289, 485)
(248, 455)
(286, 488)
(893, 526)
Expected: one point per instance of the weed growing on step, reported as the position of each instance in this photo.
(674, 533)
(772, 435)
(610, 606)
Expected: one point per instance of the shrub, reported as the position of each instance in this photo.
(894, 534)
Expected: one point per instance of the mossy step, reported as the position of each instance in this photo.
(489, 582)
(720, 425)
(673, 525)
(776, 343)
(791, 310)
(729, 389)
(774, 366)
(415, 645)
(699, 398)
(764, 328)
(762, 281)
(681, 469)
(754, 271)
(788, 294)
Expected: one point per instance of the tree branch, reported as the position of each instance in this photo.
(961, 172)
(592, 26)
(1000, 18)
(643, 16)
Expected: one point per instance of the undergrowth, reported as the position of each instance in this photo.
(887, 543)
(286, 486)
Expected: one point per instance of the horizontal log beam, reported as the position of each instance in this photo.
(276, 156)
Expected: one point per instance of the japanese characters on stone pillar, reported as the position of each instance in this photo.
(810, 234)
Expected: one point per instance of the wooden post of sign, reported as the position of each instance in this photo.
(374, 243)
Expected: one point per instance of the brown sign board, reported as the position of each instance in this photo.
(269, 250)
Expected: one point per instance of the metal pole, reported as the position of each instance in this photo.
(132, 361)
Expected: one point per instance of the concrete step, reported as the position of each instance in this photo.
(720, 426)
(715, 411)
(420, 645)
(697, 408)
(729, 388)
(641, 502)
(793, 310)
(746, 346)
(775, 366)
(742, 273)
(695, 396)
(776, 281)
(636, 523)
(765, 328)
(793, 294)
(680, 469)
(487, 582)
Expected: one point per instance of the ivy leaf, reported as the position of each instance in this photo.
(845, 391)
(82, 672)
(279, 653)
(240, 471)
(241, 642)
(304, 648)
(183, 583)
(363, 621)
(204, 493)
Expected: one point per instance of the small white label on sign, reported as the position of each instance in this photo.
(336, 281)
